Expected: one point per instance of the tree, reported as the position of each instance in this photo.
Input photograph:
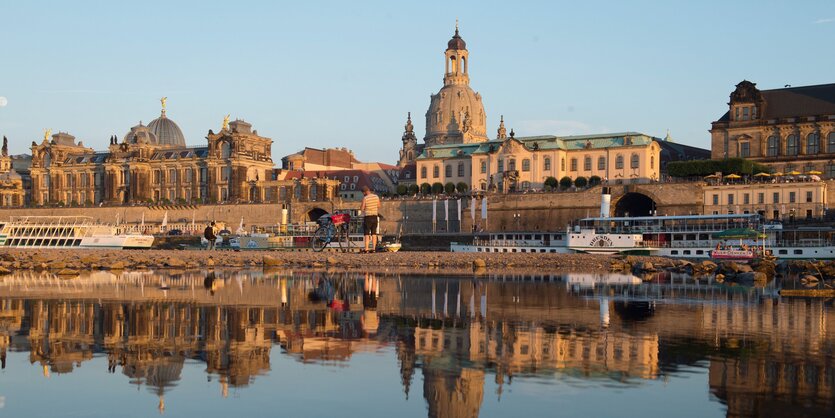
(581, 182)
(566, 182)
(462, 187)
(425, 188)
(449, 188)
(594, 181)
(414, 189)
(402, 189)
(437, 188)
(551, 182)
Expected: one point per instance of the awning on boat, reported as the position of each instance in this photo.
(738, 233)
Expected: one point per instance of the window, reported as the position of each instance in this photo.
(652, 161)
(562, 164)
(573, 164)
(809, 197)
(448, 170)
(773, 145)
(172, 176)
(347, 179)
(501, 166)
(760, 198)
(746, 199)
(830, 170)
(813, 143)
(635, 160)
(423, 172)
(483, 166)
(511, 165)
(745, 149)
(792, 197)
(436, 171)
(356, 179)
(746, 113)
(460, 169)
(716, 199)
(587, 163)
(546, 164)
(526, 165)
(776, 197)
(601, 163)
(830, 142)
(730, 199)
(619, 162)
(792, 145)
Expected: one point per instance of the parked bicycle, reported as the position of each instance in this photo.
(332, 228)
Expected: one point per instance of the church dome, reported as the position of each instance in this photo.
(446, 118)
(456, 42)
(167, 132)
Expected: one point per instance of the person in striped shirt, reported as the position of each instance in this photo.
(370, 209)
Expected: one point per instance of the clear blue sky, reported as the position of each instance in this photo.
(345, 73)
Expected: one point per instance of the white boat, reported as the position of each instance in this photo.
(67, 232)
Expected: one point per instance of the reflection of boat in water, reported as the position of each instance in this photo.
(67, 232)
(583, 280)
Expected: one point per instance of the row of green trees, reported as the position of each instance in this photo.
(706, 167)
(434, 188)
(566, 182)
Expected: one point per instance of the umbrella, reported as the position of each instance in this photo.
(712, 176)
(778, 174)
(762, 175)
(794, 173)
(733, 176)
(814, 172)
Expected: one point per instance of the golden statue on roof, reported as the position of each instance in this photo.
(225, 123)
(163, 100)
(46, 134)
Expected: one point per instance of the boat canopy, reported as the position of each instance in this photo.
(738, 233)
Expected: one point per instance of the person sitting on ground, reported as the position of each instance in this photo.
(370, 209)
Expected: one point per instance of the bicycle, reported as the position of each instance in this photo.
(331, 228)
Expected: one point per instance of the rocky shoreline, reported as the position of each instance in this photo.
(71, 262)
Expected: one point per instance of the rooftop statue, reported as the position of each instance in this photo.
(46, 134)
(225, 123)
(163, 100)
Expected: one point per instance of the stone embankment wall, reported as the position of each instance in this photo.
(538, 211)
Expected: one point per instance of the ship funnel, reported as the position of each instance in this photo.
(605, 202)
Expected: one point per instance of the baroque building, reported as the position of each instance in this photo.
(152, 164)
(457, 150)
(788, 129)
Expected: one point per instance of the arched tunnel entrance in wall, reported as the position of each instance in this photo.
(634, 204)
(315, 214)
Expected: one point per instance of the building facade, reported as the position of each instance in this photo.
(788, 129)
(798, 200)
(152, 164)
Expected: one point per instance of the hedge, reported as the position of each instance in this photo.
(706, 167)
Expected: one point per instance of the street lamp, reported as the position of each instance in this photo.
(517, 217)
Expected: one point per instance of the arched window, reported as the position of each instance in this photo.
(813, 143)
(601, 163)
(773, 146)
(526, 165)
(587, 163)
(464, 64)
(573, 164)
(448, 170)
(546, 164)
(830, 142)
(792, 145)
(635, 161)
(619, 162)
(461, 169)
(483, 166)
(436, 171)
(423, 172)
(652, 161)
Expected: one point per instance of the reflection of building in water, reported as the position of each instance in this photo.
(61, 334)
(11, 321)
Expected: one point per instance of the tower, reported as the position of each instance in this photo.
(409, 151)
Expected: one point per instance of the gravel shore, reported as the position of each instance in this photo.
(70, 261)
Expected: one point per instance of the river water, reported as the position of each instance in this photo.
(300, 343)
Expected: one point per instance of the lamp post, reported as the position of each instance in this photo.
(517, 217)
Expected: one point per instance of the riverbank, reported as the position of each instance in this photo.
(70, 261)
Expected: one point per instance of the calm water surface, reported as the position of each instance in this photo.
(245, 343)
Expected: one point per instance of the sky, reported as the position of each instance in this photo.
(344, 74)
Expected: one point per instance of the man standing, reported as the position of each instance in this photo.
(211, 235)
(370, 209)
